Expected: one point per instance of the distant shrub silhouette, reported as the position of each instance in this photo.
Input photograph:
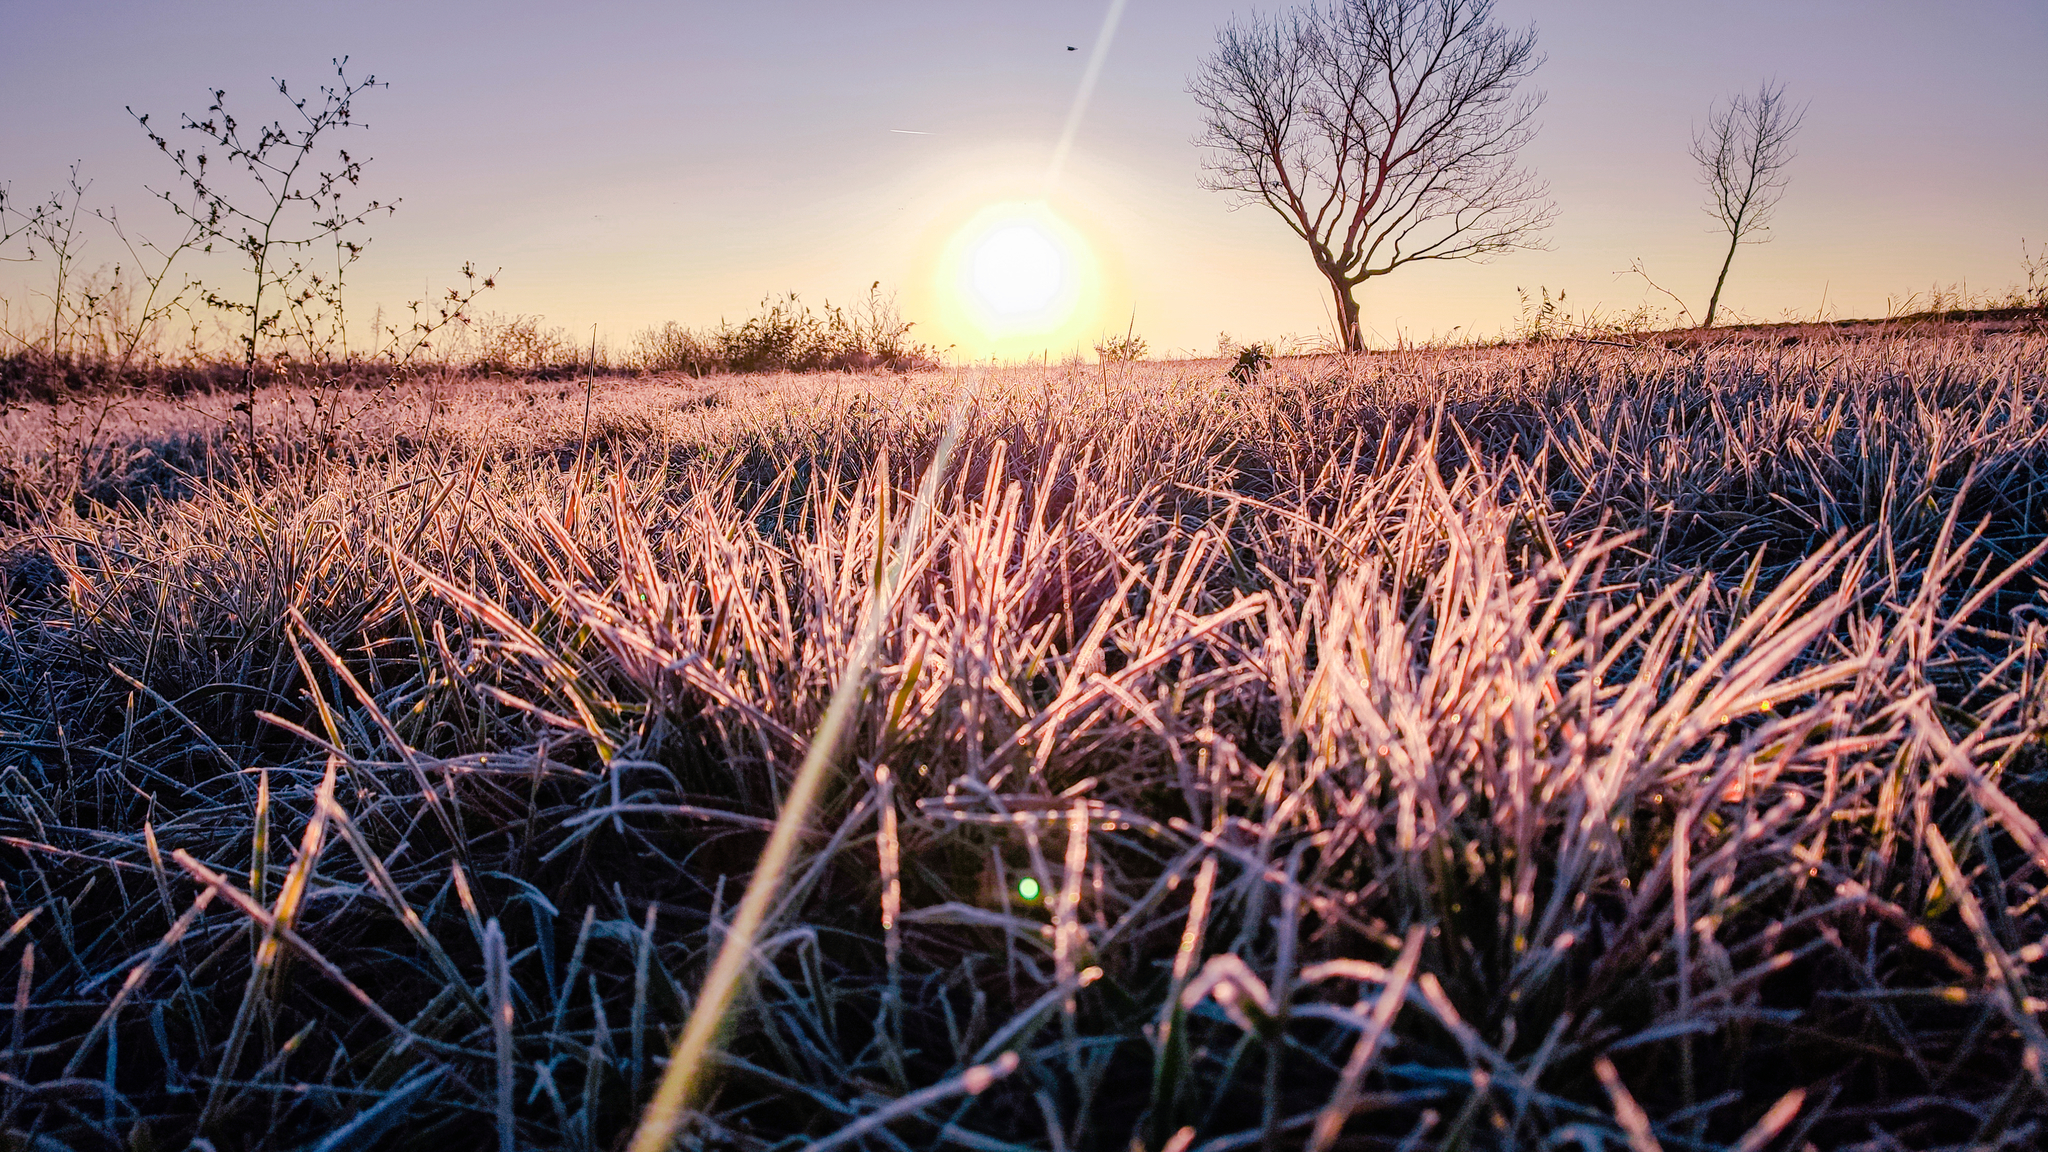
(674, 348)
(1122, 349)
(1252, 359)
(520, 345)
(787, 336)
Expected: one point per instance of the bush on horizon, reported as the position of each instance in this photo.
(787, 336)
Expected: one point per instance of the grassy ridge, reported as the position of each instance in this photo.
(1480, 748)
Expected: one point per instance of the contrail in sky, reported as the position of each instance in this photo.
(1100, 53)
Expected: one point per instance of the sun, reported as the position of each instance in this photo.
(1016, 270)
(1018, 274)
(1006, 270)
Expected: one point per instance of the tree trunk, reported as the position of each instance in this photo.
(1344, 292)
(1714, 302)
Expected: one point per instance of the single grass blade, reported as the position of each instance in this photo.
(972, 1082)
(1345, 1100)
(498, 976)
(1635, 1123)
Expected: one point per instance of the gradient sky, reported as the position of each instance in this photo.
(627, 163)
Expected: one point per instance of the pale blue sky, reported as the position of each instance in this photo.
(627, 163)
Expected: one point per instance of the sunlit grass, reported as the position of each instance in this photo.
(1509, 748)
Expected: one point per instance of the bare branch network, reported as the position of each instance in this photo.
(1383, 132)
(292, 197)
(1742, 155)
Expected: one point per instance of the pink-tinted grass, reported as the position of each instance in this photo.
(1509, 748)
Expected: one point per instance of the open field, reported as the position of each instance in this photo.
(1559, 745)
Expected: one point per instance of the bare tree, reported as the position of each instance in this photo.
(1742, 156)
(1383, 132)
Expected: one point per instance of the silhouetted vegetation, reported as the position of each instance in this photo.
(787, 336)
(1381, 132)
(1742, 157)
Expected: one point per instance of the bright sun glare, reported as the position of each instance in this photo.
(1017, 270)
(1018, 276)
